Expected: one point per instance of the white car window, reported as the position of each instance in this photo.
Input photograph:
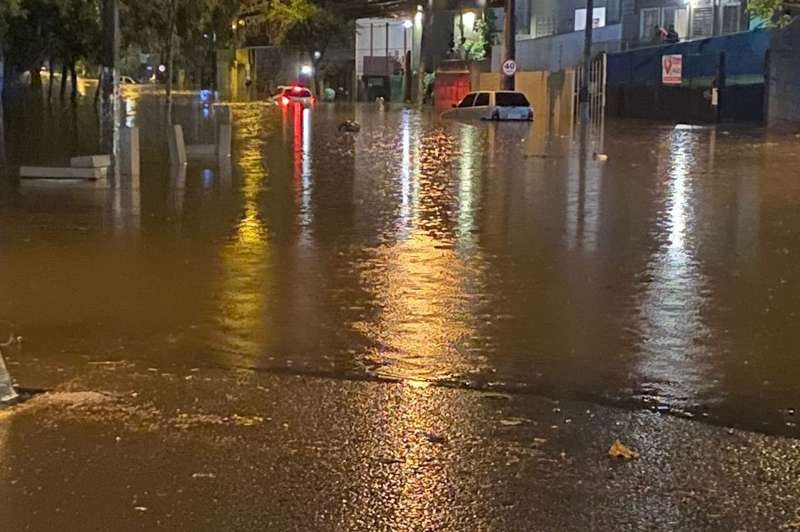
(467, 101)
(511, 99)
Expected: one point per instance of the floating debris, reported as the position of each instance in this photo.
(435, 438)
(513, 421)
(618, 450)
(349, 126)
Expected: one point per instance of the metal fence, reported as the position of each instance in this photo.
(598, 77)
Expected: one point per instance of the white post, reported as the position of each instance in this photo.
(224, 143)
(177, 146)
(130, 159)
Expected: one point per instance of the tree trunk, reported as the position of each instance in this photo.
(36, 76)
(63, 79)
(170, 64)
(171, 47)
(51, 69)
(74, 80)
(2, 124)
(2, 73)
(99, 86)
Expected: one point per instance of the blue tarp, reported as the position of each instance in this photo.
(745, 55)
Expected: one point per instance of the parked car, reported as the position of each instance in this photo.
(297, 94)
(492, 105)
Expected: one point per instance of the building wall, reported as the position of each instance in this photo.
(371, 40)
(693, 19)
(542, 18)
(560, 51)
(783, 91)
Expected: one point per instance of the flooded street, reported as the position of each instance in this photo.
(473, 255)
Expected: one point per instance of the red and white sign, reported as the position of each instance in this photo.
(672, 69)
(510, 67)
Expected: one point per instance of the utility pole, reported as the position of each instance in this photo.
(426, 19)
(510, 33)
(110, 73)
(583, 95)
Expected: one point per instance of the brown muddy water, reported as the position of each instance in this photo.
(478, 255)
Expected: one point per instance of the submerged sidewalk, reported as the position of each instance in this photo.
(129, 448)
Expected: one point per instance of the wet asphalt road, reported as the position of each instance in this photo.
(146, 449)
(368, 290)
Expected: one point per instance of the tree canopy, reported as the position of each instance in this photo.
(775, 13)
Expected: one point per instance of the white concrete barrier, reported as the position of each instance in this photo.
(130, 160)
(225, 139)
(177, 146)
(90, 161)
(60, 172)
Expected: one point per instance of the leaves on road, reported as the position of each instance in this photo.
(618, 450)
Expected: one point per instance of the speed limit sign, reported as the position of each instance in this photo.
(510, 67)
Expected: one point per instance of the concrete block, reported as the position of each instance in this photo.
(46, 172)
(177, 146)
(224, 115)
(224, 140)
(130, 159)
(90, 161)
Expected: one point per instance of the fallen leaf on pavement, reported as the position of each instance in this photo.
(618, 450)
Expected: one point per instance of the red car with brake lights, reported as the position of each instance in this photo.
(294, 94)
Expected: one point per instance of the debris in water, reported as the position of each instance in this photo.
(140, 508)
(204, 475)
(600, 157)
(513, 421)
(349, 126)
(435, 438)
(618, 450)
(496, 395)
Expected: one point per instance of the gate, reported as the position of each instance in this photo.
(598, 76)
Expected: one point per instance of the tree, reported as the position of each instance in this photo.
(9, 9)
(320, 26)
(776, 13)
(479, 44)
(77, 36)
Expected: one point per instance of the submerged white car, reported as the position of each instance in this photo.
(492, 105)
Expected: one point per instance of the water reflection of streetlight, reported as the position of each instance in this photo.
(672, 305)
(246, 259)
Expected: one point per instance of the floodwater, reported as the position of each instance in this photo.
(474, 255)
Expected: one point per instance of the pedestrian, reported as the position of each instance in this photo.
(672, 35)
(659, 35)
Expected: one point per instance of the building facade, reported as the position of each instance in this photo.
(637, 18)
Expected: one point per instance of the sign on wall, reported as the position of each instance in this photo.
(672, 69)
